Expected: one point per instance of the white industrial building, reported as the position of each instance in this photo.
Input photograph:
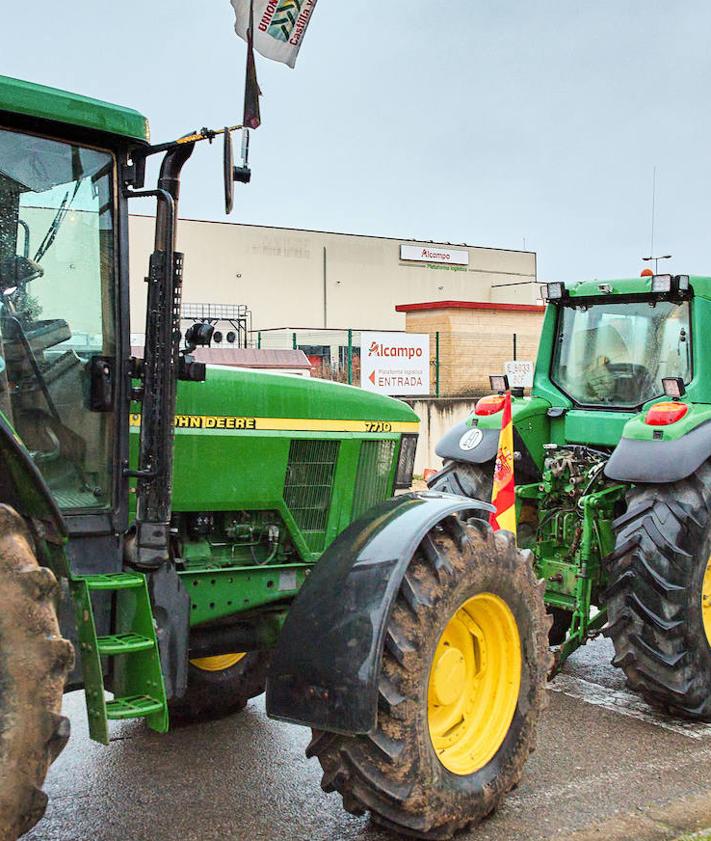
(315, 279)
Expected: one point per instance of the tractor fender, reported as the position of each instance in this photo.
(325, 668)
(660, 461)
(22, 485)
(468, 443)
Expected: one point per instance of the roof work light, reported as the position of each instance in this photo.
(553, 291)
(661, 283)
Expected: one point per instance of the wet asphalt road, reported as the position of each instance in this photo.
(605, 768)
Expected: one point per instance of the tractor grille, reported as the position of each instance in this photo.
(374, 471)
(308, 486)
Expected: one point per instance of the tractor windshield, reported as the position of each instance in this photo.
(615, 355)
(57, 308)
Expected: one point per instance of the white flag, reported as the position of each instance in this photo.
(279, 26)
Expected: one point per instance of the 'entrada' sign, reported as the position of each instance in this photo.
(434, 254)
(395, 363)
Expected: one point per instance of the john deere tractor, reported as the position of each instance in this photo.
(174, 539)
(613, 471)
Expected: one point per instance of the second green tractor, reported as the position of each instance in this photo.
(613, 472)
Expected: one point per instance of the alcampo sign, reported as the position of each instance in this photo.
(434, 254)
(395, 363)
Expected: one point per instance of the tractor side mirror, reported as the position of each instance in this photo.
(232, 173)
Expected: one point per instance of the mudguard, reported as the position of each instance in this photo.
(325, 668)
(468, 443)
(22, 485)
(660, 461)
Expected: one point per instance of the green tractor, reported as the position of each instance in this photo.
(174, 539)
(613, 471)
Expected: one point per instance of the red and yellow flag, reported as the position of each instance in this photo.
(502, 495)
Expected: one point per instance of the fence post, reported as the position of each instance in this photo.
(350, 356)
(514, 347)
(293, 341)
(437, 364)
(259, 340)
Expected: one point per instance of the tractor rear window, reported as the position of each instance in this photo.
(616, 354)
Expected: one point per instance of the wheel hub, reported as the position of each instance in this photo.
(449, 677)
(474, 683)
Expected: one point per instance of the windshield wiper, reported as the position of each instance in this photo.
(53, 229)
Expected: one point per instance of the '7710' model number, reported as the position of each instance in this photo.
(378, 426)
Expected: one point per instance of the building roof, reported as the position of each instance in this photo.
(259, 358)
(405, 239)
(469, 305)
(19, 97)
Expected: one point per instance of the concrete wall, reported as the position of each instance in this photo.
(294, 278)
(437, 416)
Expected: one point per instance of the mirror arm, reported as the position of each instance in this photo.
(26, 228)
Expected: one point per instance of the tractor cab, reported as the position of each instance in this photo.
(610, 346)
(616, 355)
(58, 305)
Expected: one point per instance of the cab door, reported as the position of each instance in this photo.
(58, 312)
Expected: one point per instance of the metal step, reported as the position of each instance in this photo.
(122, 644)
(114, 581)
(136, 677)
(132, 706)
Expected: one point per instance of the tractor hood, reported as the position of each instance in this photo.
(289, 402)
(241, 434)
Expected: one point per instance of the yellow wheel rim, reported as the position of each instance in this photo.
(706, 601)
(218, 663)
(474, 684)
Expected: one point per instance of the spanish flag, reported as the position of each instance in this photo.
(502, 495)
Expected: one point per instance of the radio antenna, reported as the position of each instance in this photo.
(654, 195)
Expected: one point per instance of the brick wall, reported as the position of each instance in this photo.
(474, 343)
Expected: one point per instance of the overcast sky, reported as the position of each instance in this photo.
(461, 121)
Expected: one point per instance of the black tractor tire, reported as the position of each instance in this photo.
(34, 663)
(214, 694)
(464, 479)
(394, 773)
(654, 599)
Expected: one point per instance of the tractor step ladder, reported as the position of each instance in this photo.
(139, 691)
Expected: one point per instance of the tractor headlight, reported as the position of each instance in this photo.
(673, 387)
(499, 382)
(661, 283)
(682, 282)
(406, 462)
